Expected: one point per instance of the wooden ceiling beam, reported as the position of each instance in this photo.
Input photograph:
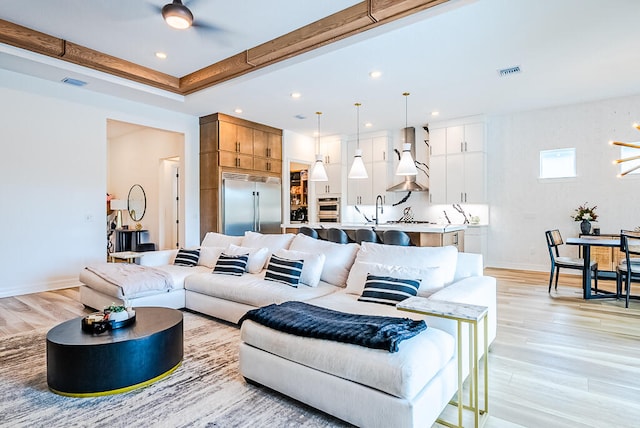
(356, 19)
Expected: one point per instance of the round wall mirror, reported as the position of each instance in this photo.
(137, 202)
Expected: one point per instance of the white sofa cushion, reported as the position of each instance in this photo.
(257, 256)
(209, 256)
(272, 241)
(417, 257)
(402, 374)
(431, 278)
(312, 267)
(338, 257)
(213, 239)
(252, 289)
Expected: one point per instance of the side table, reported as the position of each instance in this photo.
(471, 315)
(128, 256)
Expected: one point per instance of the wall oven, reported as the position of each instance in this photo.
(328, 210)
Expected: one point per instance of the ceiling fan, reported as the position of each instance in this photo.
(179, 16)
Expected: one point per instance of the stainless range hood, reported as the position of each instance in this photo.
(409, 183)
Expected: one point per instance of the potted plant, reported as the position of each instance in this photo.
(585, 215)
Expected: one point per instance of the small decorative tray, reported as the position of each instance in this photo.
(99, 322)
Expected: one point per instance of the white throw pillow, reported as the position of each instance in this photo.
(311, 268)
(338, 257)
(257, 256)
(272, 241)
(419, 257)
(209, 256)
(431, 278)
(213, 239)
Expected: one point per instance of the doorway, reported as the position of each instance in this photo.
(298, 192)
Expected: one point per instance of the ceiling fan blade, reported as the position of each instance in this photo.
(199, 25)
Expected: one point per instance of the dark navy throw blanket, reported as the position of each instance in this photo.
(306, 320)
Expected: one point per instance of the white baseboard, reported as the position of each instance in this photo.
(40, 287)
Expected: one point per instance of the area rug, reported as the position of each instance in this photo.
(207, 390)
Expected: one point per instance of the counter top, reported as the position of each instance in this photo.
(407, 227)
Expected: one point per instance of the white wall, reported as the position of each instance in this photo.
(522, 207)
(53, 173)
(136, 158)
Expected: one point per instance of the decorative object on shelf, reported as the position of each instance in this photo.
(318, 173)
(631, 158)
(111, 318)
(585, 214)
(118, 205)
(406, 166)
(358, 169)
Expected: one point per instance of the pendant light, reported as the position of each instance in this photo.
(358, 169)
(406, 166)
(318, 172)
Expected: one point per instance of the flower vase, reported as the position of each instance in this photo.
(585, 227)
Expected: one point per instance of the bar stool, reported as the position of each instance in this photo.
(337, 235)
(366, 235)
(396, 237)
(309, 232)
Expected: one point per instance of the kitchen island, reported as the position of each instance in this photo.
(421, 234)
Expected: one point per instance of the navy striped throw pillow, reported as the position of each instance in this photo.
(284, 270)
(388, 290)
(231, 265)
(187, 257)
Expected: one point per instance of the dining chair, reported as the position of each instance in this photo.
(396, 237)
(366, 235)
(629, 268)
(337, 235)
(554, 240)
(309, 232)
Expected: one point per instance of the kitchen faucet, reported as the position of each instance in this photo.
(379, 198)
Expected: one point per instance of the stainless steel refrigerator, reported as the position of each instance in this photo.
(252, 203)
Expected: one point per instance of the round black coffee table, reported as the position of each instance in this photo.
(81, 364)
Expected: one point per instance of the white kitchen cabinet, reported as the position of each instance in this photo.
(332, 187)
(438, 179)
(458, 176)
(374, 156)
(475, 241)
(332, 156)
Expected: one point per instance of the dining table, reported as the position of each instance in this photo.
(586, 242)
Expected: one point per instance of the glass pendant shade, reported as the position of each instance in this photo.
(406, 166)
(318, 173)
(358, 169)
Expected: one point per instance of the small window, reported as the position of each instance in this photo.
(629, 152)
(559, 163)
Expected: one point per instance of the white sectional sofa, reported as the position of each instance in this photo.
(366, 387)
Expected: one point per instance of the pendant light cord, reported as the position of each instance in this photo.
(358, 124)
(406, 114)
(318, 113)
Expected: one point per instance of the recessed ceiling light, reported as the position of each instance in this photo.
(296, 95)
(161, 55)
(435, 113)
(238, 110)
(368, 125)
(375, 74)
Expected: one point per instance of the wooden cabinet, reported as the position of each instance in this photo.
(607, 258)
(231, 144)
(423, 239)
(457, 165)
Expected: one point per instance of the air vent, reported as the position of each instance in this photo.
(300, 116)
(509, 71)
(74, 82)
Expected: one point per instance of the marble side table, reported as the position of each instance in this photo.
(471, 315)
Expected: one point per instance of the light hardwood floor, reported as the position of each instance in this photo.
(557, 361)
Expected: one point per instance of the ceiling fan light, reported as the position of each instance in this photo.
(177, 15)
(406, 166)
